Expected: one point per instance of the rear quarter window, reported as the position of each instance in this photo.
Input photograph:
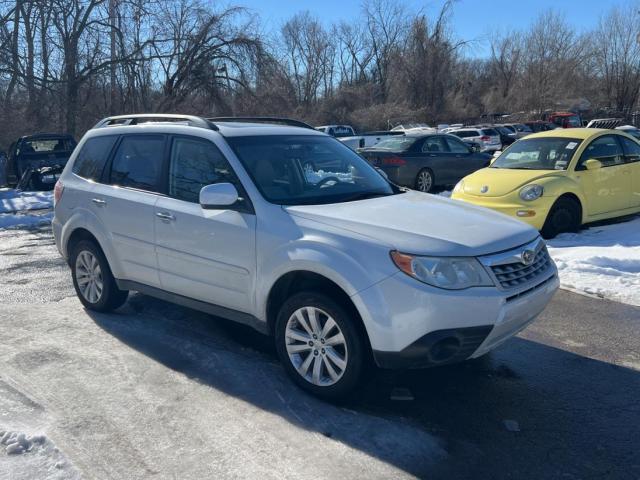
(92, 158)
(466, 133)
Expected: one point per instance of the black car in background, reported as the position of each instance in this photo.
(425, 161)
(507, 137)
(35, 161)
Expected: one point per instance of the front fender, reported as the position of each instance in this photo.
(333, 263)
(555, 187)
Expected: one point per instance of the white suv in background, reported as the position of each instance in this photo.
(488, 138)
(289, 231)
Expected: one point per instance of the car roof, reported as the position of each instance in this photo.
(226, 129)
(45, 136)
(242, 129)
(579, 133)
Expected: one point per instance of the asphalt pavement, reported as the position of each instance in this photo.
(160, 391)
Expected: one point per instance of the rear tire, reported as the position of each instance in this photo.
(563, 217)
(320, 345)
(92, 278)
(425, 180)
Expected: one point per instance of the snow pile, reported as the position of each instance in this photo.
(602, 261)
(13, 201)
(25, 219)
(25, 209)
(30, 457)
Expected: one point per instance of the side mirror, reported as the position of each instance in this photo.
(474, 148)
(592, 164)
(218, 196)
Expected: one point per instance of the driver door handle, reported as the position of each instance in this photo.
(165, 216)
(99, 202)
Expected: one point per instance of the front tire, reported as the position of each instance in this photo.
(319, 345)
(563, 217)
(425, 180)
(92, 278)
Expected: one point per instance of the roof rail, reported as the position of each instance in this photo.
(277, 120)
(137, 119)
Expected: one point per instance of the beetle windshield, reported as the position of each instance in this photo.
(301, 169)
(538, 154)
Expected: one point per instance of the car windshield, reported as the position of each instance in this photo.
(538, 154)
(46, 145)
(397, 144)
(308, 170)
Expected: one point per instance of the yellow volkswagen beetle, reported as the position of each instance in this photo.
(560, 179)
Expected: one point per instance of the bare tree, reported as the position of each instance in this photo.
(618, 57)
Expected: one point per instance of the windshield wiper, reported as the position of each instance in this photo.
(365, 196)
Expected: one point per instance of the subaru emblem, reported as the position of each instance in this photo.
(528, 256)
(484, 189)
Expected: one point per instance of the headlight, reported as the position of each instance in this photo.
(459, 186)
(531, 192)
(452, 273)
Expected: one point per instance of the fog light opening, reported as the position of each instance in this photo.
(526, 213)
(445, 349)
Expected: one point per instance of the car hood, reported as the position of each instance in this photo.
(420, 223)
(496, 182)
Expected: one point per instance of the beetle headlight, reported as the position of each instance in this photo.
(451, 273)
(529, 193)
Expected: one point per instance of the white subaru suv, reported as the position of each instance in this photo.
(273, 224)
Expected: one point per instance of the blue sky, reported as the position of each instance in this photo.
(472, 19)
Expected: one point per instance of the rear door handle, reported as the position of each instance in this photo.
(99, 202)
(165, 216)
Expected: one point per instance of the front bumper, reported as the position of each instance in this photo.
(413, 325)
(539, 209)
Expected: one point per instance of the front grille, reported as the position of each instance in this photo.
(511, 275)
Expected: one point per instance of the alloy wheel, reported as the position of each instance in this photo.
(316, 346)
(89, 276)
(425, 181)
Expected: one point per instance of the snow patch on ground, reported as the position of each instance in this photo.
(12, 201)
(603, 261)
(17, 208)
(25, 457)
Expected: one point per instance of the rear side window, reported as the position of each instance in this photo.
(138, 162)
(93, 156)
(434, 145)
(195, 163)
(490, 131)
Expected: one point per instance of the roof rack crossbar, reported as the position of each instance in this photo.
(277, 120)
(136, 119)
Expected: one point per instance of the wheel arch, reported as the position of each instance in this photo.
(574, 197)
(76, 236)
(296, 281)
